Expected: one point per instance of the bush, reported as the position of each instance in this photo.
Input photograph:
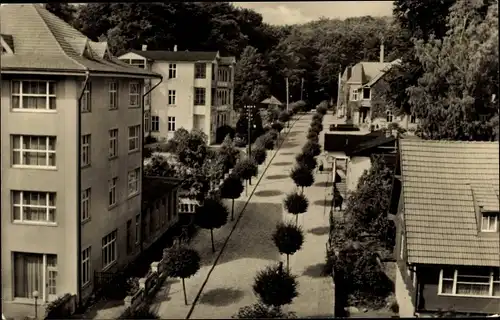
(316, 127)
(261, 311)
(306, 160)
(289, 239)
(150, 139)
(259, 155)
(296, 204)
(132, 286)
(265, 141)
(277, 126)
(317, 117)
(245, 169)
(313, 148)
(275, 286)
(224, 131)
(55, 310)
(239, 141)
(312, 134)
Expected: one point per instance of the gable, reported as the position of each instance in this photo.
(7, 43)
(130, 55)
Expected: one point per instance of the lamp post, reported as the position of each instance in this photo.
(249, 110)
(35, 295)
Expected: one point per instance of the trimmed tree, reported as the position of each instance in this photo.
(296, 204)
(181, 262)
(313, 148)
(231, 188)
(259, 155)
(317, 117)
(284, 117)
(288, 238)
(306, 160)
(211, 215)
(275, 286)
(246, 169)
(265, 141)
(311, 134)
(302, 177)
(229, 151)
(277, 126)
(261, 311)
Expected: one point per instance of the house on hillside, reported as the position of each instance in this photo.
(271, 102)
(357, 86)
(197, 91)
(446, 205)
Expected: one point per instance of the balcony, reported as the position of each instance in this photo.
(224, 84)
(365, 103)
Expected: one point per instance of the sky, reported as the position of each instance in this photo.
(281, 13)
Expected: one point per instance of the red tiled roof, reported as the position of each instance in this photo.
(43, 42)
(439, 179)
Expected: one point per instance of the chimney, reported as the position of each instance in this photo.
(144, 47)
(175, 48)
(382, 52)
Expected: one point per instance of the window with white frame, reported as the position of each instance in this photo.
(133, 181)
(470, 281)
(85, 152)
(86, 266)
(199, 96)
(113, 143)
(33, 151)
(147, 120)
(35, 272)
(112, 191)
(389, 116)
(354, 95)
(85, 205)
(155, 123)
(86, 102)
(172, 71)
(113, 95)
(34, 206)
(134, 94)
(147, 98)
(489, 222)
(140, 63)
(133, 138)
(109, 252)
(137, 227)
(200, 70)
(187, 207)
(171, 124)
(33, 95)
(171, 97)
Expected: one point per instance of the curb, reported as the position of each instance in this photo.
(238, 218)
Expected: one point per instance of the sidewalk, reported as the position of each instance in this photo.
(169, 301)
(251, 248)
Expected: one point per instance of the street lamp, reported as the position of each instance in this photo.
(35, 295)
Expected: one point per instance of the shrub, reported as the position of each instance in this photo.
(296, 204)
(231, 188)
(313, 148)
(288, 238)
(211, 215)
(302, 177)
(265, 141)
(239, 141)
(317, 127)
(306, 160)
(261, 311)
(259, 155)
(182, 263)
(275, 286)
(132, 286)
(284, 116)
(277, 126)
(150, 139)
(312, 134)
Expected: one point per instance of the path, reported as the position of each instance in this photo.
(251, 249)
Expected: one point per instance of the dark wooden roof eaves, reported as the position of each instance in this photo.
(439, 214)
(154, 188)
(346, 142)
(371, 146)
(177, 56)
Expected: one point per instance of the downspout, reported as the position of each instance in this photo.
(142, 153)
(79, 190)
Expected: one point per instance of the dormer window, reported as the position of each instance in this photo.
(489, 222)
(366, 93)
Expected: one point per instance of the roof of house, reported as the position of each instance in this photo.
(342, 142)
(177, 56)
(370, 145)
(272, 100)
(443, 182)
(43, 42)
(367, 73)
(153, 188)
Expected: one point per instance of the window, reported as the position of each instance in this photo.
(34, 151)
(35, 272)
(354, 94)
(402, 246)
(113, 95)
(34, 206)
(85, 204)
(137, 228)
(133, 138)
(390, 116)
(171, 97)
(86, 266)
(113, 143)
(199, 96)
(155, 123)
(147, 120)
(109, 249)
(133, 181)
(470, 281)
(413, 118)
(489, 222)
(134, 94)
(112, 191)
(140, 63)
(366, 93)
(200, 70)
(172, 71)
(86, 102)
(130, 243)
(34, 95)
(187, 207)
(85, 152)
(147, 99)
(171, 124)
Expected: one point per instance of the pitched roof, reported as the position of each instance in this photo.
(441, 182)
(342, 142)
(366, 72)
(371, 145)
(272, 100)
(180, 56)
(44, 42)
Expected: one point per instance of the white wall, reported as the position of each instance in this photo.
(355, 169)
(406, 308)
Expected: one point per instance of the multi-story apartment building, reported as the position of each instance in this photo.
(197, 92)
(71, 159)
(357, 86)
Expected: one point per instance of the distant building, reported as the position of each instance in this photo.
(446, 206)
(71, 166)
(357, 86)
(197, 91)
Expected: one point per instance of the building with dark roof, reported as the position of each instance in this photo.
(71, 166)
(197, 91)
(448, 240)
